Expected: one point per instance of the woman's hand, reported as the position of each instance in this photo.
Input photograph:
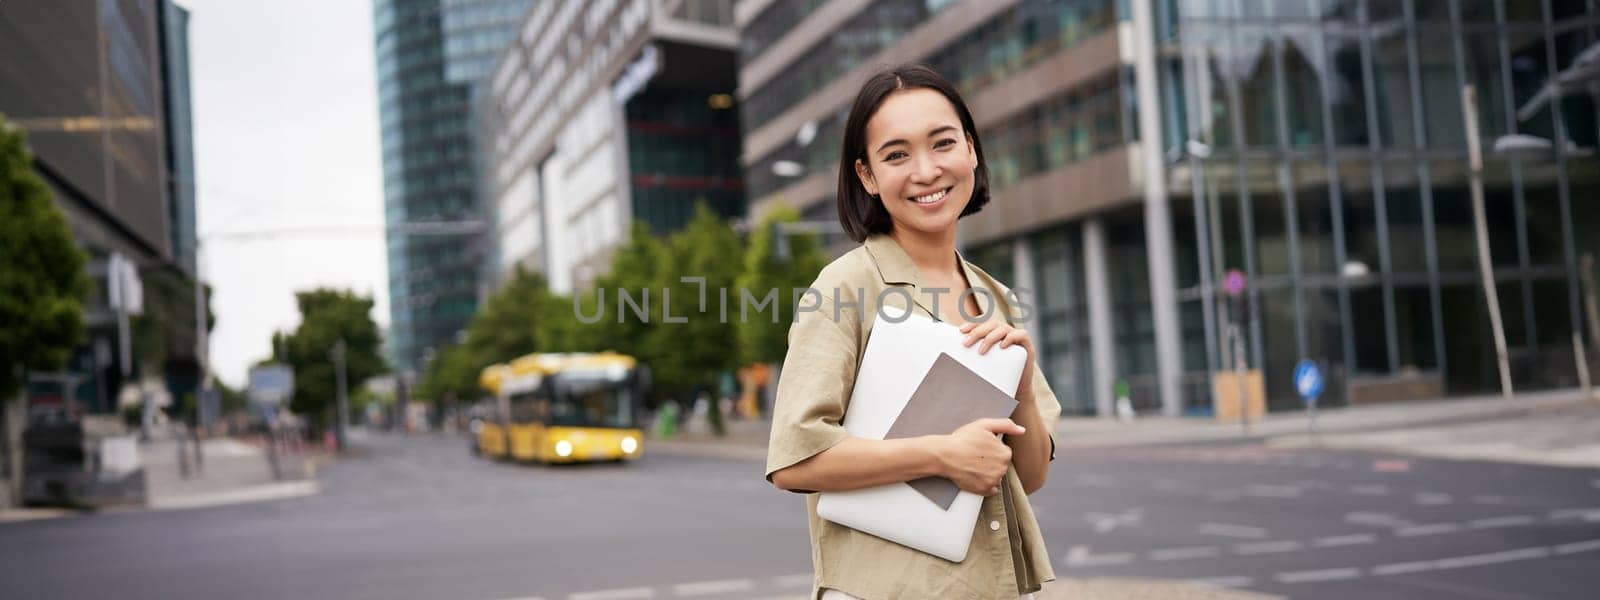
(997, 332)
(974, 457)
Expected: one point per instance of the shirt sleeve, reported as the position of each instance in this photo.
(814, 386)
(1049, 407)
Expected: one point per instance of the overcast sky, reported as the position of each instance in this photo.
(286, 138)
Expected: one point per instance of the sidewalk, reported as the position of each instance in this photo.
(747, 440)
(233, 472)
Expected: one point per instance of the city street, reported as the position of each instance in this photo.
(419, 517)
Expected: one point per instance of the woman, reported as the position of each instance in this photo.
(910, 168)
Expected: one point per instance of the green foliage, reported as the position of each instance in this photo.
(327, 316)
(42, 279)
(453, 374)
(691, 355)
(761, 339)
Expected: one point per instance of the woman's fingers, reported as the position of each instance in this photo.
(997, 334)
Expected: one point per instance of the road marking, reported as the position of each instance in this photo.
(1184, 553)
(1431, 529)
(1268, 547)
(1505, 521)
(1235, 531)
(1286, 492)
(616, 594)
(1344, 540)
(1225, 581)
(1107, 522)
(1432, 499)
(1587, 514)
(1403, 568)
(1079, 557)
(1377, 519)
(1318, 575)
(1371, 490)
(1492, 558)
(799, 580)
(721, 586)
(1577, 547)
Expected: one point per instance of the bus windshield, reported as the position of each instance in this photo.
(593, 401)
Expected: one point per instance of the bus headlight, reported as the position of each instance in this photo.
(563, 448)
(629, 445)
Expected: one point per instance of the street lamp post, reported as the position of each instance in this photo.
(1469, 105)
(343, 422)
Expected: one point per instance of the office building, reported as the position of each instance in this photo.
(604, 113)
(101, 91)
(1140, 150)
(431, 54)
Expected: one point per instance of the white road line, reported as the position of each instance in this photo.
(1587, 514)
(1079, 557)
(1430, 529)
(1506, 521)
(1225, 581)
(1268, 547)
(798, 580)
(1371, 490)
(1184, 553)
(1403, 568)
(1286, 492)
(1492, 558)
(721, 586)
(616, 594)
(1431, 499)
(1344, 540)
(1318, 575)
(525, 598)
(1377, 519)
(1235, 531)
(1577, 547)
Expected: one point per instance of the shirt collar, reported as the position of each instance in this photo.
(895, 266)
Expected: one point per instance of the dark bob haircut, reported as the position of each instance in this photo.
(863, 214)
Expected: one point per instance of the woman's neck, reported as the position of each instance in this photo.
(932, 253)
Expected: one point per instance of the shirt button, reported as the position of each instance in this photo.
(994, 526)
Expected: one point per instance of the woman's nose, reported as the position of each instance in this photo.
(926, 170)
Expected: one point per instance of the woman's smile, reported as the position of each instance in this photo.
(932, 199)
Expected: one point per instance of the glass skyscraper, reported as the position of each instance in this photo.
(1318, 146)
(431, 55)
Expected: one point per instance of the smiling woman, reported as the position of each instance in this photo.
(910, 168)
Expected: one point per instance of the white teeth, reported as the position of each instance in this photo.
(930, 198)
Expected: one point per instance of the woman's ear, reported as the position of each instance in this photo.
(865, 175)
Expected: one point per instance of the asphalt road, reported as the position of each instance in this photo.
(419, 517)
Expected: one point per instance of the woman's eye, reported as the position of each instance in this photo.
(944, 142)
(894, 156)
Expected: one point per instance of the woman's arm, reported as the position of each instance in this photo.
(857, 463)
(973, 457)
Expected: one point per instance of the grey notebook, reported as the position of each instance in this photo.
(950, 396)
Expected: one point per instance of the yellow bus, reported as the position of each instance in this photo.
(564, 408)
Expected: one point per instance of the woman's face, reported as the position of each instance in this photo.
(920, 163)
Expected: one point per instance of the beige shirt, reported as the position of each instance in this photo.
(1007, 556)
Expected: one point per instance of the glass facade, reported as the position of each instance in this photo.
(1338, 180)
(1316, 145)
(431, 55)
(1009, 42)
(682, 151)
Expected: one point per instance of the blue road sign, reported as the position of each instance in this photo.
(1308, 380)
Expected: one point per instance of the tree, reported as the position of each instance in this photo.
(636, 267)
(42, 279)
(454, 374)
(327, 316)
(761, 338)
(691, 355)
